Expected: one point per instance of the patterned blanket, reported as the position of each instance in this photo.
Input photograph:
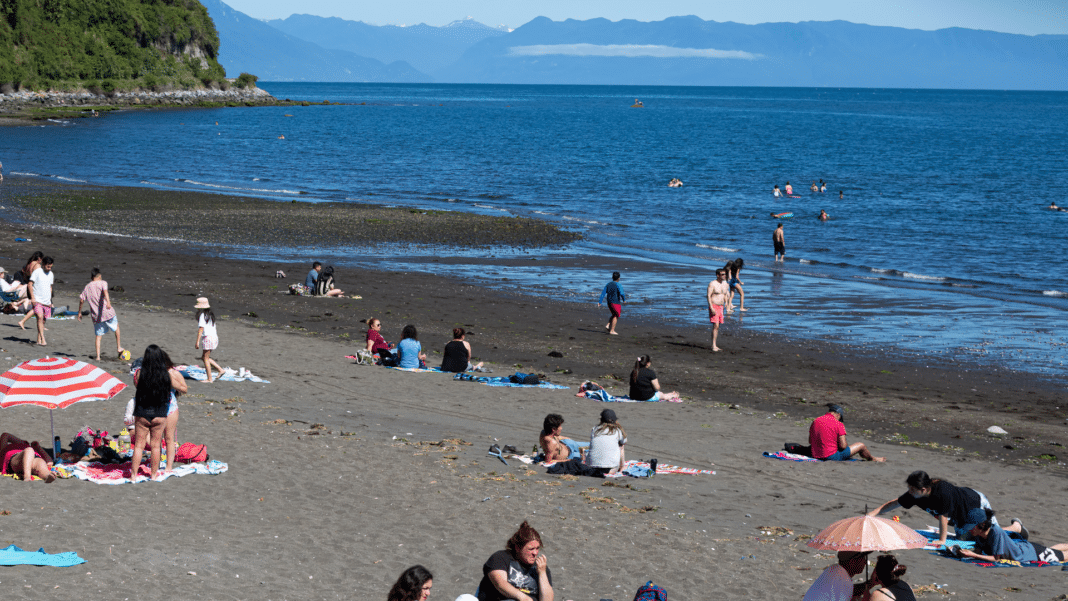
(195, 372)
(119, 473)
(14, 556)
(603, 396)
(788, 456)
(932, 534)
(642, 469)
(504, 381)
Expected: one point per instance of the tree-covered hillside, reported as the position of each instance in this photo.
(107, 44)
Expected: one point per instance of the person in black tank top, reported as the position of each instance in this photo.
(457, 357)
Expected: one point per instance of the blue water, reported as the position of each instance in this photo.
(942, 246)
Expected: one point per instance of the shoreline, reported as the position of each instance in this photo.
(894, 400)
(341, 476)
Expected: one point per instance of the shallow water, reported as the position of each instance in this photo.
(941, 247)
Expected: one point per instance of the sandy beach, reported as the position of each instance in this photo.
(341, 476)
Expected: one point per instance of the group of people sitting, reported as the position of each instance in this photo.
(320, 281)
(519, 572)
(408, 353)
(15, 287)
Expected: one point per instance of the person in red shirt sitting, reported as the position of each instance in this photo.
(827, 435)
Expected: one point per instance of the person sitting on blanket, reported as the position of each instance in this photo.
(324, 285)
(644, 386)
(827, 436)
(962, 507)
(886, 583)
(992, 543)
(836, 582)
(25, 459)
(457, 356)
(377, 345)
(410, 351)
(519, 572)
(556, 447)
(13, 293)
(607, 439)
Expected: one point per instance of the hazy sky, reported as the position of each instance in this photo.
(1013, 16)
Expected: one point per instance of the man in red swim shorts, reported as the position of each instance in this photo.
(717, 297)
(614, 293)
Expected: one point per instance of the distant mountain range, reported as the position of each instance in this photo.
(675, 51)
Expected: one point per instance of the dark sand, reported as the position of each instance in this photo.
(351, 512)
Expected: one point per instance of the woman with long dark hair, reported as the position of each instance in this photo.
(644, 385)
(158, 384)
(410, 350)
(413, 585)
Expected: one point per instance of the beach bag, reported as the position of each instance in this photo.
(191, 453)
(797, 449)
(650, 592)
(524, 379)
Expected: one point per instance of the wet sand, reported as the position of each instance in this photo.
(339, 511)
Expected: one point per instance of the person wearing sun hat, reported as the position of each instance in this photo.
(207, 336)
(836, 582)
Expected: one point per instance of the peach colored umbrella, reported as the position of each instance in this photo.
(867, 533)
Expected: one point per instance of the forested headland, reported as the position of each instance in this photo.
(105, 46)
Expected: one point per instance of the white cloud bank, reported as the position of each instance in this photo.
(629, 51)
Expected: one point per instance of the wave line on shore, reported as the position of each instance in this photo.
(722, 248)
(238, 188)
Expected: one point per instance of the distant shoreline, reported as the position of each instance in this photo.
(20, 107)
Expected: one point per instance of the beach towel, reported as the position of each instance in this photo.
(788, 456)
(642, 469)
(503, 381)
(14, 556)
(418, 370)
(932, 535)
(603, 396)
(195, 372)
(795, 457)
(119, 473)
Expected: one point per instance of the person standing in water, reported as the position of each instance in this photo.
(841, 195)
(789, 189)
(823, 215)
(776, 192)
(823, 186)
(779, 240)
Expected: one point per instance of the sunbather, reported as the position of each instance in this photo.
(457, 356)
(519, 572)
(993, 543)
(644, 385)
(606, 445)
(413, 585)
(25, 459)
(557, 447)
(962, 507)
(409, 351)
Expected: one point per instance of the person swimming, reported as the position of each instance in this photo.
(789, 189)
(1053, 206)
(823, 186)
(823, 215)
(814, 187)
(776, 192)
(675, 183)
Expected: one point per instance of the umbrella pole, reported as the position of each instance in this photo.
(52, 439)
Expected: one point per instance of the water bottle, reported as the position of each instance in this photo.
(652, 466)
(57, 446)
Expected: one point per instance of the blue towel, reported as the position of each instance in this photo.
(491, 381)
(14, 556)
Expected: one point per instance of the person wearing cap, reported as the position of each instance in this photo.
(606, 445)
(827, 436)
(836, 582)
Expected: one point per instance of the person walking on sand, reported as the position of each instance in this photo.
(100, 310)
(616, 297)
(717, 297)
(827, 436)
(779, 240)
(735, 283)
(40, 293)
(207, 336)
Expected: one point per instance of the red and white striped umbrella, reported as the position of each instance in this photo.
(56, 383)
